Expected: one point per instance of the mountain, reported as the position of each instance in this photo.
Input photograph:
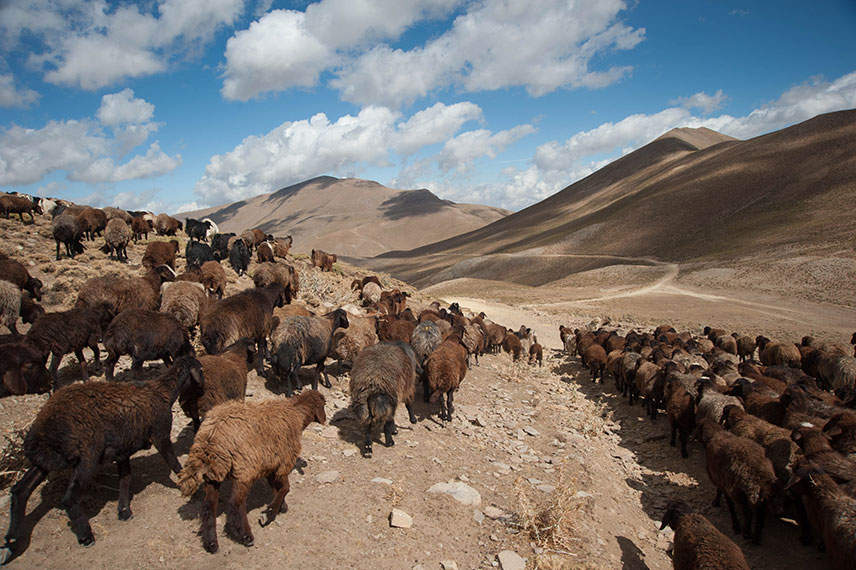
(689, 195)
(351, 217)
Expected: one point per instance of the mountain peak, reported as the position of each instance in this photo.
(698, 137)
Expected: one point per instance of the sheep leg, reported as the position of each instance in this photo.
(57, 250)
(55, 360)
(236, 518)
(760, 517)
(806, 537)
(82, 361)
(716, 500)
(388, 430)
(164, 446)
(367, 444)
(323, 368)
(123, 465)
(410, 413)
(208, 515)
(277, 505)
(735, 523)
(449, 407)
(137, 368)
(71, 502)
(21, 492)
(674, 430)
(747, 518)
(684, 434)
(110, 365)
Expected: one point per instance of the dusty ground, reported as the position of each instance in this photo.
(537, 444)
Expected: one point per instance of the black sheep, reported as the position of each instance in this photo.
(239, 257)
(145, 335)
(196, 229)
(196, 253)
(220, 245)
(67, 230)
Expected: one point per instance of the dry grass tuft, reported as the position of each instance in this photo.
(549, 523)
(12, 460)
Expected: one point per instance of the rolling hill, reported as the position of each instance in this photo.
(692, 195)
(351, 217)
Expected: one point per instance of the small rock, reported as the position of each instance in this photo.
(382, 480)
(480, 421)
(510, 560)
(330, 432)
(327, 476)
(478, 516)
(546, 488)
(448, 565)
(349, 452)
(458, 490)
(400, 519)
(494, 513)
(583, 495)
(494, 538)
(531, 431)
(467, 432)
(534, 481)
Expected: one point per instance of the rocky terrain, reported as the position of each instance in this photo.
(538, 467)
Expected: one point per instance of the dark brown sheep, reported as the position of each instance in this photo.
(680, 409)
(166, 225)
(83, 425)
(224, 378)
(777, 353)
(248, 314)
(536, 352)
(593, 357)
(22, 370)
(11, 204)
(140, 228)
(66, 229)
(144, 335)
(841, 431)
(382, 377)
(160, 253)
(186, 301)
(245, 441)
(698, 544)
(816, 448)
(445, 369)
(70, 331)
(14, 272)
(117, 234)
(92, 221)
(125, 292)
(269, 273)
(738, 468)
(511, 344)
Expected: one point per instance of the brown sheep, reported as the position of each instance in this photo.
(348, 342)
(144, 335)
(390, 328)
(281, 246)
(777, 353)
(841, 431)
(775, 440)
(738, 468)
(11, 204)
(593, 357)
(264, 253)
(245, 441)
(186, 301)
(511, 344)
(268, 273)
(445, 369)
(22, 370)
(70, 331)
(698, 544)
(66, 229)
(160, 253)
(14, 272)
(166, 225)
(536, 352)
(680, 409)
(383, 375)
(125, 292)
(213, 279)
(82, 425)
(224, 378)
(323, 259)
(113, 213)
(10, 306)
(140, 227)
(92, 221)
(816, 448)
(117, 234)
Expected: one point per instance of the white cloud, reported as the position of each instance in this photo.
(143, 200)
(492, 45)
(275, 51)
(296, 151)
(703, 101)
(556, 165)
(86, 150)
(460, 152)
(123, 107)
(12, 96)
(91, 44)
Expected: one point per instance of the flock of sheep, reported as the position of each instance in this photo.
(779, 432)
(392, 343)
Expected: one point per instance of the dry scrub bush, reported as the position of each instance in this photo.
(13, 464)
(549, 522)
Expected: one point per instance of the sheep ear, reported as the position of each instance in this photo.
(197, 375)
(833, 431)
(14, 382)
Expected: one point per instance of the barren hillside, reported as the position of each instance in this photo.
(352, 217)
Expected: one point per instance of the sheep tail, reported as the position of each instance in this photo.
(202, 464)
(190, 478)
(375, 408)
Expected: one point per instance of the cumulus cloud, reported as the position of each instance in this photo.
(91, 44)
(13, 96)
(86, 150)
(703, 101)
(377, 136)
(123, 107)
(492, 45)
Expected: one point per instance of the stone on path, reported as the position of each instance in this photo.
(400, 519)
(510, 560)
(449, 565)
(327, 476)
(458, 490)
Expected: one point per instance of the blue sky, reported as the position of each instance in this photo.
(169, 105)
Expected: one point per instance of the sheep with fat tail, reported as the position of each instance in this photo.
(698, 544)
(383, 375)
(246, 441)
(83, 425)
